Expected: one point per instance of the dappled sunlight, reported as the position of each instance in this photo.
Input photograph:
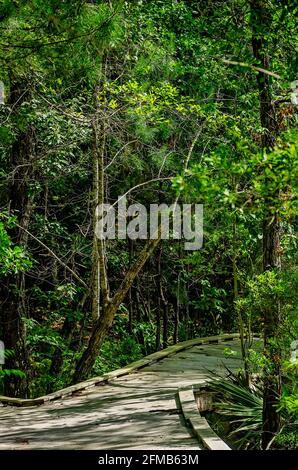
(137, 411)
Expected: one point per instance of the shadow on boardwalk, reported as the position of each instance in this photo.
(137, 411)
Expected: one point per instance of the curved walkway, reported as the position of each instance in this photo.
(135, 411)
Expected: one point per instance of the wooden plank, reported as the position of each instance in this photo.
(199, 425)
(187, 403)
(137, 365)
(136, 411)
(206, 434)
(21, 401)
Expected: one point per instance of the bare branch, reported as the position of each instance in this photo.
(258, 69)
(50, 251)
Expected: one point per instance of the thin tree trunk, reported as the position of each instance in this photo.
(162, 306)
(261, 22)
(57, 360)
(67, 333)
(100, 292)
(241, 326)
(179, 300)
(272, 380)
(143, 315)
(138, 302)
(165, 326)
(158, 313)
(159, 286)
(178, 306)
(105, 321)
(130, 292)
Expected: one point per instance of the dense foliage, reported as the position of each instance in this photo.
(193, 101)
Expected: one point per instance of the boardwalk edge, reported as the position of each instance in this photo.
(137, 365)
(199, 425)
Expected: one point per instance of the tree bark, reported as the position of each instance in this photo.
(158, 313)
(165, 323)
(13, 288)
(105, 321)
(272, 380)
(261, 22)
(100, 294)
(131, 316)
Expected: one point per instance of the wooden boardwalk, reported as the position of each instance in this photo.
(137, 411)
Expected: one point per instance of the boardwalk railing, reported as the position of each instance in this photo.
(101, 380)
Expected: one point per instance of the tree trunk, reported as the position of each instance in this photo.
(162, 306)
(176, 325)
(100, 292)
(104, 308)
(165, 326)
(57, 360)
(130, 292)
(241, 326)
(105, 321)
(272, 380)
(13, 306)
(261, 22)
(158, 313)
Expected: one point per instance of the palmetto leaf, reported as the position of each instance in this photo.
(243, 406)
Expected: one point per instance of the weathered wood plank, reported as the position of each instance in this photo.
(137, 365)
(136, 410)
(199, 425)
(209, 438)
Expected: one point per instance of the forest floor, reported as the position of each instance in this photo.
(137, 411)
